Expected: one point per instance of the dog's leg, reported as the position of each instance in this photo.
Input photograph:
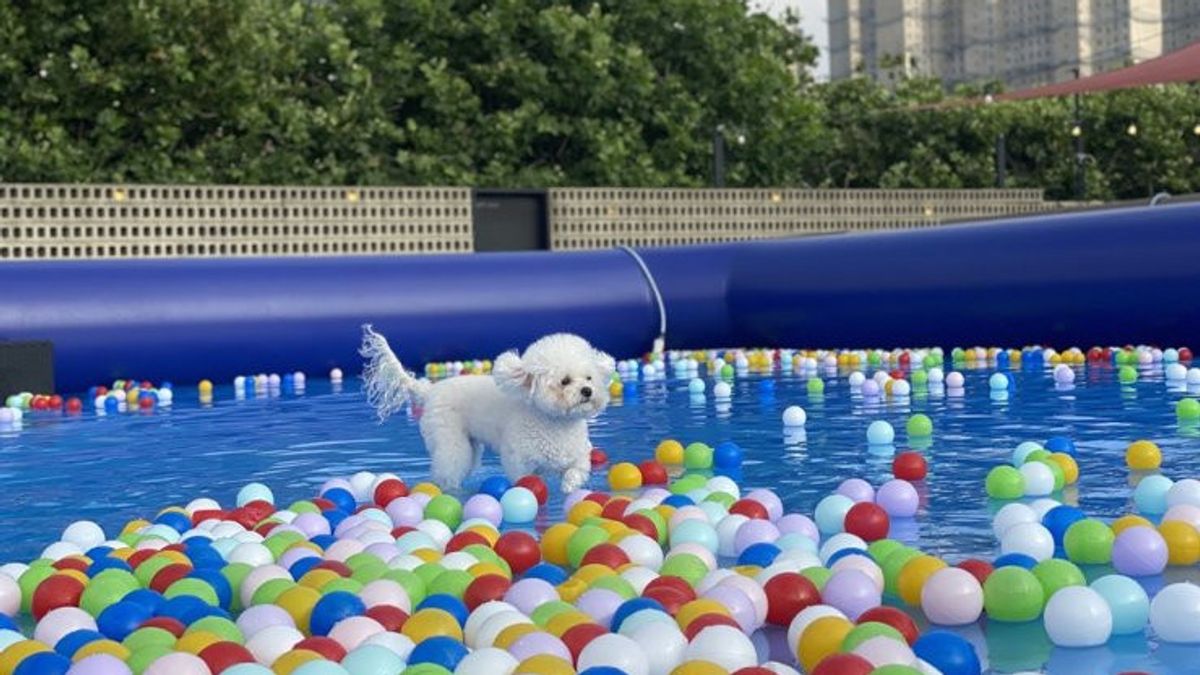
(477, 456)
(516, 464)
(577, 473)
(450, 451)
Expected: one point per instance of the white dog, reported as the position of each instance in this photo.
(532, 410)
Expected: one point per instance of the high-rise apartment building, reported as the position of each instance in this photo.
(1020, 42)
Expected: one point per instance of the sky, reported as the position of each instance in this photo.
(812, 22)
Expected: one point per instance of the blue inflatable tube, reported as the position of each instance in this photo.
(1077, 279)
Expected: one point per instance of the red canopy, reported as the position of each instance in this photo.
(1181, 65)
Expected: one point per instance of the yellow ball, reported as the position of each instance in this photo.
(616, 530)
(561, 623)
(913, 576)
(582, 511)
(512, 634)
(131, 397)
(1069, 468)
(820, 639)
(698, 607)
(195, 641)
(110, 647)
(290, 661)
(427, 488)
(485, 531)
(544, 664)
(1183, 542)
(669, 452)
(1143, 456)
(591, 572)
(484, 568)
(571, 589)
(616, 389)
(17, 652)
(428, 555)
(699, 668)
(427, 623)
(205, 388)
(666, 511)
(74, 574)
(554, 543)
(122, 553)
(1125, 522)
(747, 570)
(624, 476)
(134, 525)
(298, 601)
(316, 579)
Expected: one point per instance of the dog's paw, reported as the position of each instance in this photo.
(572, 480)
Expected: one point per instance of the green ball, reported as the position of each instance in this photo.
(140, 659)
(919, 425)
(446, 509)
(723, 498)
(1187, 409)
(616, 584)
(548, 610)
(150, 566)
(1127, 375)
(727, 372)
(278, 543)
(194, 587)
(921, 378)
(891, 566)
(428, 572)
(1005, 482)
(815, 385)
(1056, 574)
(895, 669)
(367, 568)
(583, 540)
(352, 586)
(1125, 357)
(1060, 478)
(688, 482)
(686, 566)
(107, 589)
(873, 358)
(148, 637)
(697, 456)
(451, 582)
(410, 582)
(484, 554)
(304, 506)
(865, 631)
(817, 575)
(425, 669)
(220, 626)
(660, 524)
(957, 354)
(235, 574)
(931, 361)
(1037, 455)
(270, 591)
(1013, 595)
(1089, 542)
(880, 548)
(28, 583)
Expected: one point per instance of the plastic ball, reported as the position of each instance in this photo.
(1078, 616)
(868, 521)
(727, 455)
(669, 452)
(624, 476)
(880, 432)
(371, 659)
(1175, 613)
(851, 592)
(1139, 551)
(1187, 409)
(820, 639)
(1056, 574)
(1012, 595)
(698, 456)
(614, 651)
(1186, 491)
(1143, 456)
(1150, 495)
(794, 416)
(1031, 539)
(722, 390)
(519, 550)
(899, 498)
(909, 466)
(519, 505)
(1011, 515)
(443, 651)
(1127, 601)
(830, 513)
(332, 608)
(896, 618)
(1038, 479)
(725, 646)
(952, 597)
(788, 594)
(948, 652)
(919, 426)
(1183, 543)
(844, 664)
(653, 473)
(1089, 542)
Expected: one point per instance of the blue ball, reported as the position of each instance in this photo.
(727, 455)
(175, 520)
(1128, 601)
(1059, 518)
(335, 517)
(218, 582)
(152, 600)
(602, 670)
(111, 405)
(1002, 360)
(447, 603)
(1060, 444)
(186, 608)
(97, 552)
(70, 643)
(206, 558)
(6, 623)
(830, 513)
(844, 552)
(100, 564)
(495, 486)
(118, 620)
(324, 541)
(678, 501)
(332, 608)
(43, 663)
(948, 653)
(548, 572)
(1015, 560)
(631, 607)
(341, 498)
(760, 554)
(518, 506)
(695, 531)
(302, 566)
(441, 650)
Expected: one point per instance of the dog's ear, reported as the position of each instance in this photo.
(605, 365)
(510, 374)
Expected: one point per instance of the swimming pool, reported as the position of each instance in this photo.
(111, 469)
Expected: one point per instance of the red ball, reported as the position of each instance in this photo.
(171, 625)
(59, 590)
(905, 359)
(392, 618)
(74, 405)
(322, 503)
(519, 550)
(910, 466)
(145, 403)
(893, 617)
(653, 473)
(265, 528)
(202, 515)
(221, 655)
(38, 402)
(1095, 354)
(704, 621)
(56, 402)
(868, 521)
(168, 575)
(843, 664)
(71, 564)
(788, 594)
(670, 592)
(753, 670)
(387, 490)
(146, 384)
(600, 498)
(1185, 354)
(640, 523)
(464, 539)
(609, 555)
(750, 508)
(672, 582)
(980, 569)
(327, 647)
(537, 486)
(897, 374)
(139, 557)
(341, 568)
(101, 390)
(259, 509)
(615, 508)
(401, 530)
(484, 589)
(598, 457)
(578, 636)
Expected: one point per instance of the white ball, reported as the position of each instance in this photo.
(998, 382)
(1011, 515)
(780, 668)
(84, 533)
(1193, 376)
(936, 376)
(61, 549)
(360, 484)
(1032, 539)
(268, 644)
(884, 651)
(1077, 616)
(62, 621)
(794, 416)
(1039, 480)
(352, 631)
(1176, 372)
(901, 388)
(639, 577)
(335, 375)
(201, 504)
(1042, 506)
(954, 380)
(616, 651)
(642, 550)
(10, 596)
(177, 663)
(880, 433)
(487, 661)
(1063, 374)
(479, 616)
(856, 379)
(1185, 491)
(805, 618)
(838, 542)
(165, 396)
(1175, 613)
(725, 646)
(726, 532)
(662, 643)
(952, 597)
(722, 390)
(491, 629)
(400, 645)
(253, 554)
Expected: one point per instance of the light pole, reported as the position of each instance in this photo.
(719, 156)
(1077, 132)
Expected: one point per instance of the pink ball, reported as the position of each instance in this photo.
(862, 564)
(534, 644)
(348, 523)
(687, 513)
(751, 589)
(857, 489)
(1187, 513)
(257, 577)
(952, 597)
(527, 594)
(754, 532)
(100, 664)
(655, 494)
(769, 500)
(10, 595)
(405, 511)
(178, 663)
(798, 523)
(58, 622)
(485, 507)
(600, 604)
(851, 592)
(422, 498)
(342, 549)
(259, 617)
(899, 498)
(385, 592)
(697, 550)
(885, 651)
(351, 631)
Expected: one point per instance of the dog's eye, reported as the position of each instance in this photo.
(566, 381)
(589, 377)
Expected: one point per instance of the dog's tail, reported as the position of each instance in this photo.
(388, 385)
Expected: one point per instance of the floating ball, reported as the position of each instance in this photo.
(844, 664)
(899, 498)
(442, 651)
(788, 594)
(1038, 479)
(952, 597)
(519, 505)
(1187, 409)
(822, 638)
(909, 466)
(830, 514)
(1089, 542)
(624, 476)
(1150, 495)
(722, 390)
(653, 473)
(880, 432)
(1031, 539)
(669, 452)
(868, 521)
(698, 456)
(1005, 482)
(1012, 595)
(1127, 601)
(1056, 574)
(851, 592)
(1143, 456)
(794, 416)
(1183, 543)
(919, 426)
(727, 455)
(1175, 613)
(1139, 551)
(614, 651)
(537, 486)
(948, 652)
(1127, 375)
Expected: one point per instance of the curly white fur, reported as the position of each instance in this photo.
(532, 410)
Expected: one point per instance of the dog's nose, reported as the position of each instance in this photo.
(586, 392)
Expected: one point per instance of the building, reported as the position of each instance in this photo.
(1019, 42)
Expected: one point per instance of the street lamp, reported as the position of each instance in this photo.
(1077, 134)
(1132, 129)
(1076, 131)
(1196, 130)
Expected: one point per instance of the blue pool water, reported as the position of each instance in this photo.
(112, 469)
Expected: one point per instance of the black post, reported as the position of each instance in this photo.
(1080, 155)
(719, 157)
(1001, 162)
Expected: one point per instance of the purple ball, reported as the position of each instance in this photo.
(311, 524)
(527, 594)
(100, 664)
(600, 604)
(899, 498)
(405, 511)
(740, 607)
(798, 523)
(857, 489)
(533, 644)
(753, 532)
(296, 553)
(483, 506)
(258, 617)
(870, 388)
(421, 498)
(1139, 551)
(768, 499)
(852, 592)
